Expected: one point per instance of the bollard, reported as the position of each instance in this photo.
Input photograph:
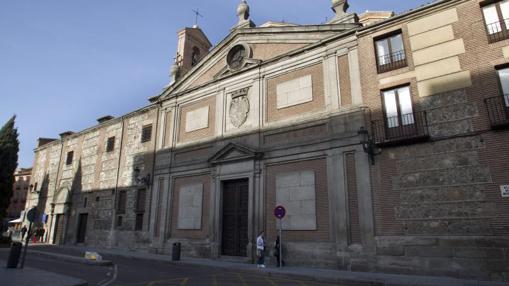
(175, 253)
(14, 255)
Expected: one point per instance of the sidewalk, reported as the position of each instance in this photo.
(319, 275)
(32, 276)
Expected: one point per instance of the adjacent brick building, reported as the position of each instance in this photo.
(19, 193)
(385, 138)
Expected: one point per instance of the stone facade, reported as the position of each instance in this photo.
(283, 109)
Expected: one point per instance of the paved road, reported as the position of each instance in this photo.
(132, 272)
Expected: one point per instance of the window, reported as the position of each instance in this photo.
(122, 197)
(85, 202)
(390, 52)
(140, 201)
(97, 198)
(139, 222)
(146, 133)
(119, 221)
(70, 156)
(496, 18)
(195, 58)
(503, 75)
(398, 107)
(110, 145)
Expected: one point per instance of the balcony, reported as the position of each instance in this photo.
(407, 128)
(392, 61)
(498, 111)
(497, 31)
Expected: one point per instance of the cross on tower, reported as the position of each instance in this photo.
(197, 14)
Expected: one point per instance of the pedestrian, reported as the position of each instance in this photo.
(35, 233)
(277, 252)
(23, 232)
(260, 250)
(41, 239)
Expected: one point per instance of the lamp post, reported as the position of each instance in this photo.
(368, 144)
(145, 180)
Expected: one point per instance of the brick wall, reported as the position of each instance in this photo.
(322, 232)
(191, 234)
(317, 104)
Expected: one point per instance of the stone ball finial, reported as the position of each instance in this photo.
(340, 6)
(174, 71)
(243, 11)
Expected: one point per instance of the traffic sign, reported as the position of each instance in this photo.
(32, 213)
(279, 212)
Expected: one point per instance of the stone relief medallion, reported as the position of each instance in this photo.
(239, 107)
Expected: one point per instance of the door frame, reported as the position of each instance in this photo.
(58, 217)
(78, 228)
(216, 220)
(223, 183)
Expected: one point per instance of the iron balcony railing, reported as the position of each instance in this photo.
(407, 128)
(498, 110)
(497, 31)
(392, 61)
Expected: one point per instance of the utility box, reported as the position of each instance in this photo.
(175, 253)
(14, 255)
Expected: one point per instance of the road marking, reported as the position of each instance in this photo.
(214, 277)
(113, 278)
(182, 280)
(242, 279)
(270, 281)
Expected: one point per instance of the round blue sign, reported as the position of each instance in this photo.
(279, 212)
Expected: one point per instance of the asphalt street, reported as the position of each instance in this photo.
(134, 272)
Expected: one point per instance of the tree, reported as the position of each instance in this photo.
(9, 147)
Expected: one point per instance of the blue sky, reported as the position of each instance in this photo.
(65, 63)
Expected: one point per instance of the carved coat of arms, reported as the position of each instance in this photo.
(239, 107)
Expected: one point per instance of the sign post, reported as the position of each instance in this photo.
(280, 212)
(31, 215)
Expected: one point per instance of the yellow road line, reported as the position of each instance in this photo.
(152, 283)
(242, 279)
(270, 281)
(214, 277)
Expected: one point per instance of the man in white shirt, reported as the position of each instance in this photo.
(260, 250)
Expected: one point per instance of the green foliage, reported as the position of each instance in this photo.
(9, 147)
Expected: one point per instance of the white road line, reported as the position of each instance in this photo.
(113, 278)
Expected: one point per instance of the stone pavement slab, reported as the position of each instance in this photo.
(32, 277)
(312, 274)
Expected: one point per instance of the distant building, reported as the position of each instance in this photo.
(19, 194)
(386, 140)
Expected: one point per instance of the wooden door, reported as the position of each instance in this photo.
(82, 228)
(235, 218)
(58, 237)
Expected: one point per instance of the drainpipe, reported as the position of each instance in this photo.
(57, 185)
(151, 182)
(114, 200)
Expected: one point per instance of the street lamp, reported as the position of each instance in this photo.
(368, 144)
(145, 180)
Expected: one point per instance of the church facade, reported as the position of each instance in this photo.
(383, 136)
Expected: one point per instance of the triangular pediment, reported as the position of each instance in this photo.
(265, 44)
(233, 152)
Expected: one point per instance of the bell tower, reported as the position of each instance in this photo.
(193, 45)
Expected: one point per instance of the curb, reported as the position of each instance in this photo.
(70, 258)
(350, 278)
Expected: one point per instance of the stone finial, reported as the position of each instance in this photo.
(340, 7)
(243, 14)
(243, 11)
(174, 72)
